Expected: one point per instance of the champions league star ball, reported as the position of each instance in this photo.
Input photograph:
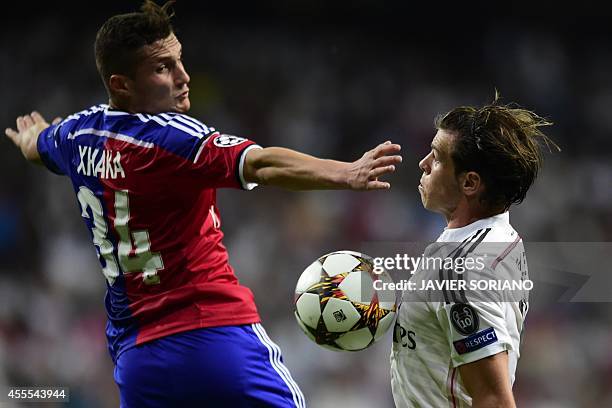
(337, 306)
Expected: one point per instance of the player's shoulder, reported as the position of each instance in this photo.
(488, 236)
(85, 113)
(176, 133)
(80, 118)
(500, 232)
(501, 242)
(494, 229)
(179, 134)
(107, 118)
(177, 123)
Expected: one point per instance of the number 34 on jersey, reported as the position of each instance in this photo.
(134, 248)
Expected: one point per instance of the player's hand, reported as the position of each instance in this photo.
(26, 135)
(365, 172)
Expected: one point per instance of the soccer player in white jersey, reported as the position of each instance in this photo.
(458, 348)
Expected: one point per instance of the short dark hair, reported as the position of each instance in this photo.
(120, 38)
(502, 144)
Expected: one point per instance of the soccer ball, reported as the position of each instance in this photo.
(337, 306)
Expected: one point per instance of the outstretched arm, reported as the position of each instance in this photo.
(488, 383)
(297, 171)
(26, 135)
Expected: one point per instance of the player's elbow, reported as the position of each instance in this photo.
(278, 177)
(254, 163)
(256, 168)
(263, 176)
(267, 167)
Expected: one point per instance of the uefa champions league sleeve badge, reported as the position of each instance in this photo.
(464, 318)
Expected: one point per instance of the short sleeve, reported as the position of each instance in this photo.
(475, 330)
(219, 161)
(48, 145)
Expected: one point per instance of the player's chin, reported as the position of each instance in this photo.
(182, 105)
(424, 200)
(422, 194)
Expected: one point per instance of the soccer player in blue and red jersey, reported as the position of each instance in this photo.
(181, 330)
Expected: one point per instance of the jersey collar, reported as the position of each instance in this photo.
(459, 234)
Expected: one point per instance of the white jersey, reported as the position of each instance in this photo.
(438, 331)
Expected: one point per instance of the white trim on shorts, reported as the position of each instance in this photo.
(274, 354)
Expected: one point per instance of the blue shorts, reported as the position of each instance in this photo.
(232, 366)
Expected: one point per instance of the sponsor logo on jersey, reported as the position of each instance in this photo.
(404, 337)
(476, 341)
(464, 318)
(228, 140)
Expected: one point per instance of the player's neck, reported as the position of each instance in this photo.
(114, 105)
(466, 215)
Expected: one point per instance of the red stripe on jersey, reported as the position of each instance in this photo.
(452, 388)
(505, 253)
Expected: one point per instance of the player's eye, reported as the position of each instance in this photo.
(161, 68)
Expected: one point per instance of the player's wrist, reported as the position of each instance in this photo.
(356, 177)
(340, 175)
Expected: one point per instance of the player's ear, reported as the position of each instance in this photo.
(119, 85)
(471, 183)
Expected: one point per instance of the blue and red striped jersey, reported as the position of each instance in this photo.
(146, 186)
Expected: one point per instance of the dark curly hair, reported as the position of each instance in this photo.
(502, 143)
(119, 40)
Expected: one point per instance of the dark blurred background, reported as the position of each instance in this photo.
(332, 80)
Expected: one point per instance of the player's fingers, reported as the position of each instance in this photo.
(37, 117)
(386, 149)
(386, 160)
(12, 134)
(379, 171)
(56, 121)
(28, 121)
(378, 185)
(20, 124)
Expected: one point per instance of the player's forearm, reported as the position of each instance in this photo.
(494, 400)
(293, 170)
(488, 383)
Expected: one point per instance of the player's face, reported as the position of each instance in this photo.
(160, 80)
(439, 187)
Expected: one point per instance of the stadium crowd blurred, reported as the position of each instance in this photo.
(332, 87)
